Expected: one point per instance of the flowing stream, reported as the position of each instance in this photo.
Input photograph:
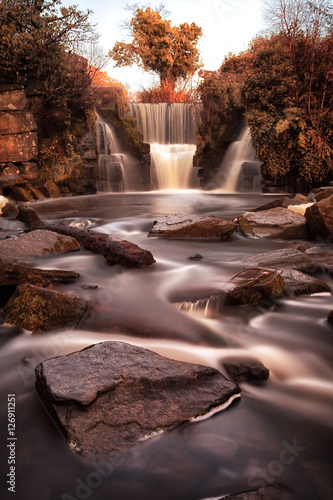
(279, 432)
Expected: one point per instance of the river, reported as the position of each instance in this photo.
(278, 432)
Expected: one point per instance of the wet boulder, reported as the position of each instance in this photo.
(113, 249)
(253, 285)
(285, 258)
(9, 210)
(17, 274)
(246, 370)
(319, 218)
(29, 216)
(40, 309)
(277, 223)
(38, 243)
(324, 192)
(298, 283)
(194, 227)
(281, 202)
(115, 396)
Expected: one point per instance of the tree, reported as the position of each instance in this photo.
(34, 35)
(288, 95)
(156, 45)
(295, 16)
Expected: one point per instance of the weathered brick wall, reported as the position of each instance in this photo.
(18, 132)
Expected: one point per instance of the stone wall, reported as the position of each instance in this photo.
(18, 133)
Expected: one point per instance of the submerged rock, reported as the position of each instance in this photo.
(113, 249)
(253, 285)
(114, 396)
(39, 309)
(265, 493)
(246, 370)
(285, 257)
(38, 243)
(16, 274)
(277, 223)
(194, 227)
(320, 219)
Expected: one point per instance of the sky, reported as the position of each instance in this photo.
(228, 26)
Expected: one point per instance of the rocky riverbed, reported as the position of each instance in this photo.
(115, 397)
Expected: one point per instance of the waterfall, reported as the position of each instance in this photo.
(169, 128)
(110, 159)
(239, 169)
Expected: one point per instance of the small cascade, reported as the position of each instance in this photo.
(239, 169)
(110, 159)
(169, 128)
(165, 123)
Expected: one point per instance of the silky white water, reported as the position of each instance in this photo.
(169, 128)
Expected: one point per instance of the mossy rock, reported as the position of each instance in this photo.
(38, 309)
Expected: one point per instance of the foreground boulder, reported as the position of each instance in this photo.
(114, 396)
(246, 370)
(113, 249)
(253, 285)
(16, 274)
(35, 244)
(277, 223)
(320, 219)
(194, 227)
(39, 309)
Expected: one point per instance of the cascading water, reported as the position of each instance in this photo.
(169, 128)
(240, 171)
(110, 159)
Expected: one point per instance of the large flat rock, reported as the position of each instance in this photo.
(17, 274)
(114, 396)
(191, 226)
(35, 244)
(285, 257)
(277, 223)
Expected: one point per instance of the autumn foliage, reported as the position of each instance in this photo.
(155, 45)
(283, 87)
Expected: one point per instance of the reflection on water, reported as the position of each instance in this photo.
(236, 450)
